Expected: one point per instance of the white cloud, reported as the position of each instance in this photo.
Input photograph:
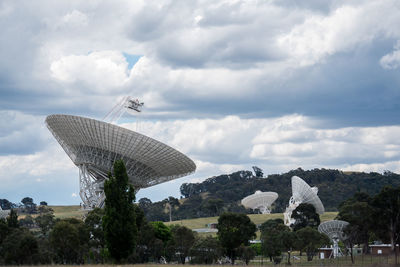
(391, 60)
(295, 141)
(227, 75)
(103, 69)
(346, 28)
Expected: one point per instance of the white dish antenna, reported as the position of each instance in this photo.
(260, 200)
(302, 193)
(334, 230)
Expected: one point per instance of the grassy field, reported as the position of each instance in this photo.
(68, 212)
(76, 212)
(256, 218)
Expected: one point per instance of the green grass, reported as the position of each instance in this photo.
(76, 212)
(63, 212)
(255, 218)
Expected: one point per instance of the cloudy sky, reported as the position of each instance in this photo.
(280, 84)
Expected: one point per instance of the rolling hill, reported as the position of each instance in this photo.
(224, 192)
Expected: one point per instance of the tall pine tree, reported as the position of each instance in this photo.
(119, 221)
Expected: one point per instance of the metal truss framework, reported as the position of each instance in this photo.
(302, 193)
(334, 230)
(260, 200)
(94, 146)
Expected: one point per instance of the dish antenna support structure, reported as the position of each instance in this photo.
(334, 230)
(128, 103)
(302, 193)
(260, 200)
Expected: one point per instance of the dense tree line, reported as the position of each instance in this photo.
(223, 193)
(26, 206)
(372, 218)
(47, 240)
(121, 233)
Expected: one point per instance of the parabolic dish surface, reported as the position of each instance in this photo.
(98, 144)
(258, 199)
(333, 228)
(303, 193)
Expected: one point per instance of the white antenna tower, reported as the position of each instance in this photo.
(128, 103)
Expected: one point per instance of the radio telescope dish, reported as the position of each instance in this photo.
(302, 193)
(94, 146)
(334, 230)
(260, 200)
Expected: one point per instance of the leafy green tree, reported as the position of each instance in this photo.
(289, 241)
(387, 215)
(310, 240)
(206, 250)
(6, 205)
(119, 221)
(359, 213)
(64, 238)
(45, 222)
(161, 231)
(182, 241)
(234, 229)
(4, 230)
(42, 209)
(29, 205)
(12, 219)
(163, 235)
(352, 237)
(93, 223)
(20, 247)
(271, 238)
(246, 253)
(26, 222)
(213, 206)
(271, 224)
(304, 216)
(43, 203)
(146, 247)
(69, 239)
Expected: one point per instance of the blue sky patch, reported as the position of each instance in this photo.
(131, 59)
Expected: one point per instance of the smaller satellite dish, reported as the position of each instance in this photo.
(260, 200)
(334, 230)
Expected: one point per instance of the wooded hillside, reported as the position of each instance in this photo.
(224, 192)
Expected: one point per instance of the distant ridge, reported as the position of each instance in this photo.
(224, 192)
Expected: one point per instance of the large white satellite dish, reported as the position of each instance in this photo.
(302, 193)
(94, 146)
